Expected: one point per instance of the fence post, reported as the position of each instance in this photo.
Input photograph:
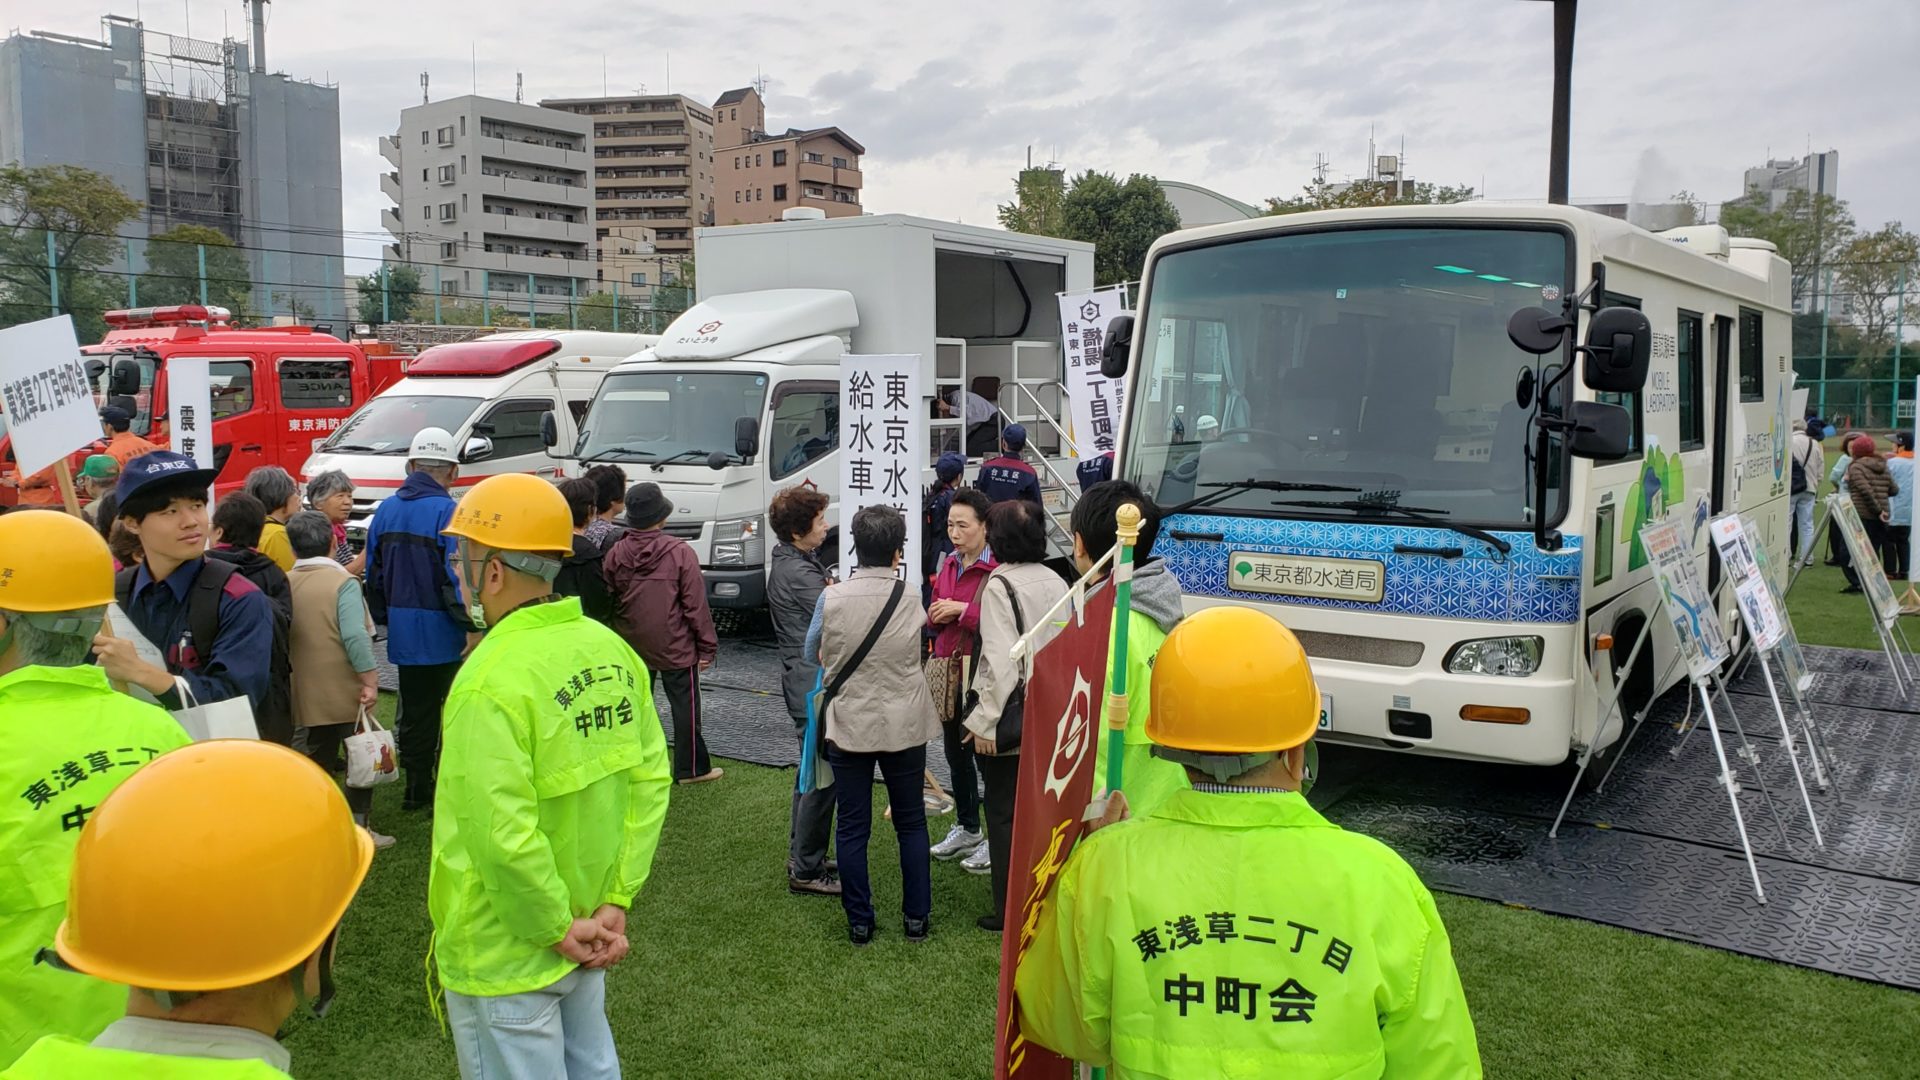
(53, 276)
(386, 293)
(486, 297)
(1826, 316)
(202, 249)
(1899, 331)
(532, 322)
(133, 283)
(616, 305)
(436, 294)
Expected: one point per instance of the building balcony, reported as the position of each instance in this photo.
(390, 186)
(506, 271)
(604, 156)
(539, 231)
(814, 172)
(605, 183)
(572, 196)
(390, 221)
(390, 149)
(680, 141)
(512, 150)
(642, 199)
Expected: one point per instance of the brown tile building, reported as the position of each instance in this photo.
(758, 175)
(653, 164)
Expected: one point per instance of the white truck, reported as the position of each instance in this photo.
(740, 398)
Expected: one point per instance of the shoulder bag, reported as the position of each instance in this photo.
(1006, 733)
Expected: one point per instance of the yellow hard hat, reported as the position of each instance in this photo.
(1232, 680)
(514, 512)
(219, 865)
(52, 561)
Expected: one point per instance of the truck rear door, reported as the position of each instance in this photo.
(242, 422)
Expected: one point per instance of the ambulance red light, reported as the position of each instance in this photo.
(481, 358)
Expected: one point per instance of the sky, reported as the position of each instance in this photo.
(1241, 97)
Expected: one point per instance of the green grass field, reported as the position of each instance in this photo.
(730, 976)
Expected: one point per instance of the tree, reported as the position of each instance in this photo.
(1869, 275)
(1120, 220)
(1320, 195)
(1691, 209)
(301, 311)
(1036, 205)
(394, 289)
(469, 313)
(596, 312)
(1808, 230)
(173, 270)
(83, 211)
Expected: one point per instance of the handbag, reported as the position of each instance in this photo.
(229, 719)
(947, 678)
(1006, 732)
(370, 761)
(823, 695)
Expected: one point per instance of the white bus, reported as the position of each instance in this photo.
(1392, 474)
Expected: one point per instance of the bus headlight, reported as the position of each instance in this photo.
(1514, 656)
(739, 542)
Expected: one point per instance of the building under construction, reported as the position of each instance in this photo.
(199, 132)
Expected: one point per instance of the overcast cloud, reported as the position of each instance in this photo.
(1232, 95)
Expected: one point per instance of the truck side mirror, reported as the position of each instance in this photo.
(549, 430)
(1599, 432)
(1118, 350)
(1536, 330)
(478, 448)
(1618, 349)
(746, 438)
(126, 379)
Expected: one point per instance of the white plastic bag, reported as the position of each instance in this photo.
(229, 719)
(370, 753)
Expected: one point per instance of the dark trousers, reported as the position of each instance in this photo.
(1002, 774)
(682, 687)
(326, 747)
(966, 785)
(423, 694)
(1898, 537)
(811, 828)
(1878, 541)
(901, 770)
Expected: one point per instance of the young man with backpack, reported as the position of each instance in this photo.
(1808, 463)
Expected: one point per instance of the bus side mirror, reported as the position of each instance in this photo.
(1619, 346)
(549, 431)
(1118, 349)
(1536, 330)
(1599, 432)
(746, 438)
(126, 379)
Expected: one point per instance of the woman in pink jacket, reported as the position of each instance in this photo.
(954, 619)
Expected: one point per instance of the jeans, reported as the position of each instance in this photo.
(811, 828)
(966, 785)
(560, 1031)
(682, 687)
(1002, 774)
(853, 786)
(1803, 504)
(423, 693)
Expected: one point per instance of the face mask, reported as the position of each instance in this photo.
(476, 612)
(1310, 769)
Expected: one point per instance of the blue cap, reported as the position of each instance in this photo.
(950, 466)
(1015, 436)
(161, 467)
(117, 416)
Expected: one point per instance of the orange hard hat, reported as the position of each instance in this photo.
(1232, 680)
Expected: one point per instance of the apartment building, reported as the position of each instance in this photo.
(493, 198)
(652, 164)
(763, 174)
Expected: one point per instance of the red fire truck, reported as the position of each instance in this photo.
(277, 390)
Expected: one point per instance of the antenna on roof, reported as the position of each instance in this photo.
(519, 92)
(423, 88)
(759, 81)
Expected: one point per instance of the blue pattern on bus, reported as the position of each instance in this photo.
(1527, 586)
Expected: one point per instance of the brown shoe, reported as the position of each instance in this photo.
(710, 774)
(826, 884)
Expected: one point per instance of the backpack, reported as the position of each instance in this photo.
(1799, 484)
(274, 717)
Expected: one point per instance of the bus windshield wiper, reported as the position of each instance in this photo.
(1233, 487)
(1422, 515)
(623, 448)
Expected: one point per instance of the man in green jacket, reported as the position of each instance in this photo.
(66, 741)
(553, 786)
(1233, 931)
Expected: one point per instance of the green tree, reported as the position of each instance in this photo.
(401, 286)
(83, 211)
(1693, 208)
(1869, 275)
(596, 312)
(1320, 195)
(1121, 221)
(469, 313)
(1036, 207)
(173, 270)
(1808, 230)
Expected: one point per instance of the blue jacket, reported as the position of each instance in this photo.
(1900, 507)
(411, 588)
(237, 661)
(1004, 478)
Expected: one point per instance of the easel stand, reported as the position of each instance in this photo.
(1733, 787)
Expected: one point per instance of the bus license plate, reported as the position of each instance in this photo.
(1326, 712)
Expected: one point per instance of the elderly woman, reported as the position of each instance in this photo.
(866, 626)
(954, 617)
(331, 493)
(277, 491)
(798, 517)
(1017, 595)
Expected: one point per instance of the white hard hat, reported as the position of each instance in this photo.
(433, 444)
(1206, 423)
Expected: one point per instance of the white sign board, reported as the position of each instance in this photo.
(1696, 624)
(1751, 589)
(1865, 558)
(44, 394)
(190, 409)
(1095, 399)
(1792, 660)
(883, 447)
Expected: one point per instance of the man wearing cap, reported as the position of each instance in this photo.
(210, 886)
(213, 627)
(97, 477)
(68, 740)
(412, 591)
(122, 444)
(1007, 476)
(934, 543)
(1233, 931)
(553, 788)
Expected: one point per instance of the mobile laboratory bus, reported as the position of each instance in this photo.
(1448, 519)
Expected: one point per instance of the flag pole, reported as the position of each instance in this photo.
(1127, 518)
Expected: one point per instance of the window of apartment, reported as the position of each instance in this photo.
(756, 161)
(779, 193)
(839, 163)
(1693, 416)
(463, 164)
(425, 137)
(426, 213)
(423, 175)
(1751, 378)
(446, 211)
(447, 175)
(463, 125)
(639, 278)
(779, 157)
(736, 196)
(815, 193)
(463, 202)
(445, 135)
(735, 115)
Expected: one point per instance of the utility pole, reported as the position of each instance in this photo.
(1563, 12)
(1826, 316)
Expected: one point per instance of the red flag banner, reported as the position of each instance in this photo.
(1058, 740)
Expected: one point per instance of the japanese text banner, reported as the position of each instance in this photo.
(190, 408)
(44, 394)
(883, 447)
(1095, 399)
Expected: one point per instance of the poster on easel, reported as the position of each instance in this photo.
(1865, 558)
(1765, 621)
(1696, 622)
(1793, 662)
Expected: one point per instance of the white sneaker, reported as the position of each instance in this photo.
(980, 862)
(380, 840)
(959, 842)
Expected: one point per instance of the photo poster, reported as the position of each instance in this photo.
(48, 404)
(1866, 561)
(883, 448)
(1689, 606)
(1095, 401)
(1750, 588)
(1792, 661)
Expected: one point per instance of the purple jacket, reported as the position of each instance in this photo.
(660, 600)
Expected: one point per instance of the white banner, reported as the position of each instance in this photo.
(1864, 557)
(1750, 589)
(190, 409)
(44, 394)
(1696, 623)
(1096, 400)
(883, 447)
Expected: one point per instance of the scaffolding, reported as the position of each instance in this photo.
(193, 132)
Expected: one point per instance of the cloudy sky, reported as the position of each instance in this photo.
(1233, 95)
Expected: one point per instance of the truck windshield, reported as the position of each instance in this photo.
(388, 423)
(657, 415)
(1376, 359)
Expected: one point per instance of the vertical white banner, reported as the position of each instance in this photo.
(44, 394)
(1913, 572)
(883, 447)
(190, 409)
(1095, 400)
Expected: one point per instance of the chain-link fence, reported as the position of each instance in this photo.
(1866, 403)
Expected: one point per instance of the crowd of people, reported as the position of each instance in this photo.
(1878, 485)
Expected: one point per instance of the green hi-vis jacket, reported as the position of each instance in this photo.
(553, 786)
(55, 1058)
(1147, 780)
(1244, 935)
(66, 740)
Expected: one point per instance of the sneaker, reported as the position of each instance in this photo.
(825, 885)
(979, 862)
(860, 935)
(710, 774)
(992, 924)
(380, 840)
(916, 930)
(937, 805)
(959, 841)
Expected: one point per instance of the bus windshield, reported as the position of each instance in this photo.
(1372, 359)
(388, 423)
(657, 416)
